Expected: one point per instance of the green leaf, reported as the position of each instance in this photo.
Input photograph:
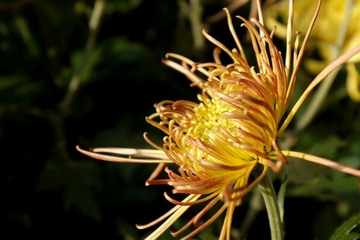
(123, 6)
(79, 196)
(343, 232)
(11, 81)
(53, 176)
(79, 180)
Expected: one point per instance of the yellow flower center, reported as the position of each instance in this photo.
(218, 142)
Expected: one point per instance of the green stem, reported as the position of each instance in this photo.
(76, 79)
(272, 208)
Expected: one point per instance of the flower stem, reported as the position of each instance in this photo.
(76, 79)
(272, 208)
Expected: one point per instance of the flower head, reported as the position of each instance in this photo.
(216, 143)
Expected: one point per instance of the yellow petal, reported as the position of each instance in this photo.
(353, 82)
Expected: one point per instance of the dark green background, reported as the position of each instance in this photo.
(50, 191)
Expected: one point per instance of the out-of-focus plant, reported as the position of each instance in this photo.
(336, 31)
(53, 56)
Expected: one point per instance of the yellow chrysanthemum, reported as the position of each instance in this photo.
(336, 31)
(216, 144)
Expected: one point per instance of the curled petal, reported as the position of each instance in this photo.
(108, 158)
(323, 161)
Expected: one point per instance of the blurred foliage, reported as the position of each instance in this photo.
(50, 191)
(345, 230)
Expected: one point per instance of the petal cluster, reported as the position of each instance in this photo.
(217, 142)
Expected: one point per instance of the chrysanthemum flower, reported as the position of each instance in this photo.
(336, 31)
(212, 147)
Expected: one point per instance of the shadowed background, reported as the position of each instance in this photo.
(50, 191)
